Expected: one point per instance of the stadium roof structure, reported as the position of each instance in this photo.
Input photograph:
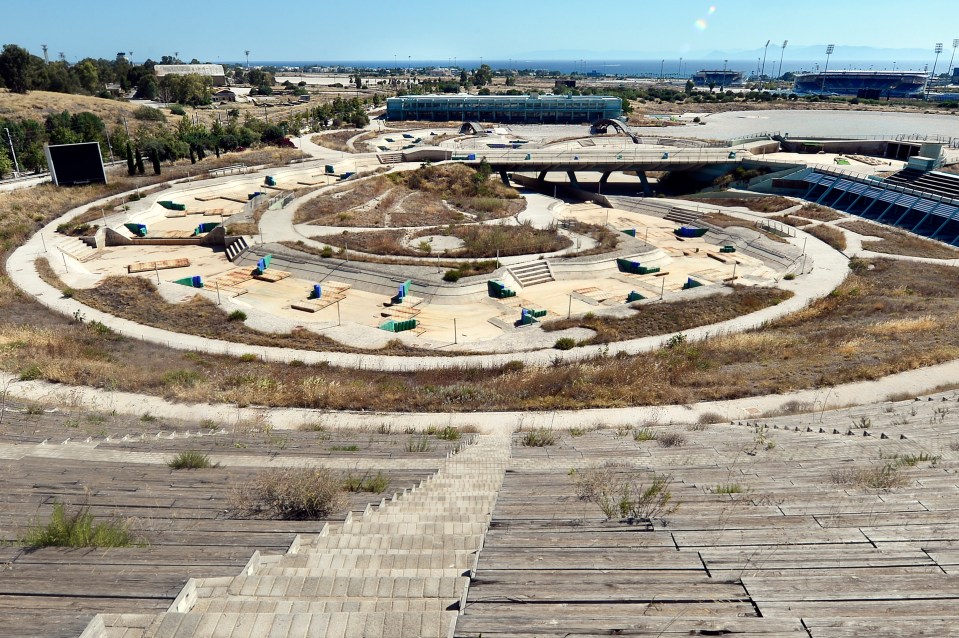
(211, 70)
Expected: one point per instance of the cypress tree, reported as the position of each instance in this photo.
(155, 158)
(131, 167)
(139, 158)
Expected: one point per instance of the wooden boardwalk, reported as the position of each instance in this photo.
(180, 516)
(790, 552)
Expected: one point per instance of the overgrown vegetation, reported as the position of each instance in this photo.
(762, 204)
(290, 494)
(540, 437)
(656, 319)
(366, 482)
(78, 529)
(623, 491)
(191, 460)
(832, 236)
(899, 242)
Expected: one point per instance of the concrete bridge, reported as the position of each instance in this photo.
(591, 160)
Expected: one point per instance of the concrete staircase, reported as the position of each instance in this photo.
(681, 216)
(390, 158)
(401, 570)
(76, 248)
(235, 248)
(531, 273)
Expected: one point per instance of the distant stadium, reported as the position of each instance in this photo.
(865, 84)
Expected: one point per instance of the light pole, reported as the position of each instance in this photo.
(247, 59)
(680, 68)
(829, 50)
(932, 76)
(762, 72)
(16, 164)
(955, 45)
(722, 86)
(781, 56)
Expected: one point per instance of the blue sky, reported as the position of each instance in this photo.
(213, 30)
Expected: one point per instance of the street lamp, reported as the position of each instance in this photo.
(934, 65)
(762, 72)
(781, 56)
(722, 86)
(955, 45)
(16, 164)
(829, 50)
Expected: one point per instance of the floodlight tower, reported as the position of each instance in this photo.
(762, 72)
(932, 76)
(46, 57)
(781, 56)
(722, 86)
(829, 50)
(955, 45)
(247, 59)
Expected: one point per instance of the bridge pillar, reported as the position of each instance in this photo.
(572, 178)
(503, 176)
(605, 177)
(647, 191)
(542, 176)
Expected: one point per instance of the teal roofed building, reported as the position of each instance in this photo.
(506, 109)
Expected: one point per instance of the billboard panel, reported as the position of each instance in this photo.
(74, 164)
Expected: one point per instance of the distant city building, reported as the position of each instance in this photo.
(547, 109)
(213, 71)
(871, 84)
(720, 78)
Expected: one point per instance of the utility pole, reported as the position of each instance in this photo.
(781, 56)
(829, 50)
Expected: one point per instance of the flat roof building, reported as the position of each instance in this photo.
(721, 78)
(213, 71)
(532, 109)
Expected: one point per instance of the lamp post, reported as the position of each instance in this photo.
(762, 72)
(781, 56)
(829, 50)
(722, 86)
(932, 76)
(16, 164)
(955, 45)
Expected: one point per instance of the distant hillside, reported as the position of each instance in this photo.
(38, 104)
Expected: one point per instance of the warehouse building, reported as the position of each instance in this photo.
(213, 71)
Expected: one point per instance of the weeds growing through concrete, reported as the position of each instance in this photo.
(191, 460)
(290, 494)
(78, 529)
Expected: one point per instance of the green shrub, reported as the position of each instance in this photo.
(78, 530)
(176, 109)
(366, 483)
(31, 373)
(236, 315)
(327, 252)
(418, 444)
(540, 437)
(181, 378)
(150, 114)
(449, 433)
(452, 276)
(290, 494)
(190, 460)
(565, 343)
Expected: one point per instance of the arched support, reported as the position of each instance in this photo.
(645, 182)
(572, 178)
(503, 176)
(605, 177)
(542, 176)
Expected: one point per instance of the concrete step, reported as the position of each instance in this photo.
(389, 541)
(405, 529)
(274, 606)
(438, 560)
(339, 587)
(437, 624)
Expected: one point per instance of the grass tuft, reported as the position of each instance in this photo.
(290, 494)
(191, 460)
(540, 437)
(78, 529)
